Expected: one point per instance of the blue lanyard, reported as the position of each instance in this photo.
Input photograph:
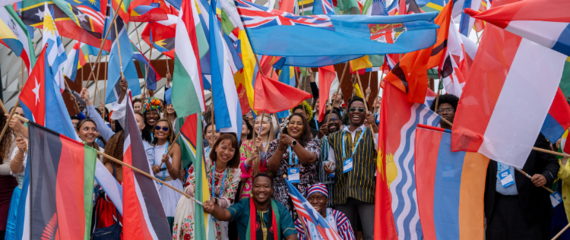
(165, 152)
(355, 146)
(316, 123)
(290, 156)
(213, 181)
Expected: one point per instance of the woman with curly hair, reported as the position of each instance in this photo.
(305, 110)
(105, 212)
(293, 157)
(166, 165)
(7, 181)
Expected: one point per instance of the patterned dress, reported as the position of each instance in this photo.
(183, 229)
(308, 174)
(247, 173)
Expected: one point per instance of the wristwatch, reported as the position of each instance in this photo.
(294, 143)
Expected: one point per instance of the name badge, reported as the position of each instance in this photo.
(347, 166)
(293, 175)
(506, 178)
(555, 199)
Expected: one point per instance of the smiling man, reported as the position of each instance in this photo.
(267, 214)
(318, 196)
(353, 152)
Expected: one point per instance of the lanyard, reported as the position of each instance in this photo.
(355, 146)
(165, 152)
(291, 155)
(316, 124)
(213, 181)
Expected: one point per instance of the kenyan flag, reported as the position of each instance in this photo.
(61, 185)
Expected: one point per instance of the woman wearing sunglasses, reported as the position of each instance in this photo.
(165, 166)
(293, 157)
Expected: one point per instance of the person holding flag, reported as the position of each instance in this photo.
(272, 217)
(318, 196)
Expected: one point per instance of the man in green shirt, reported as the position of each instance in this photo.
(272, 220)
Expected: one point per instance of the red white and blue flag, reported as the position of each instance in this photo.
(558, 118)
(317, 227)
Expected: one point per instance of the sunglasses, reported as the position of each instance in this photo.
(163, 128)
(356, 109)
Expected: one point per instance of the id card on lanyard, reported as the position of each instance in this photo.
(213, 186)
(505, 176)
(163, 171)
(293, 173)
(348, 163)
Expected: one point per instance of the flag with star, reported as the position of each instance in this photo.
(80, 21)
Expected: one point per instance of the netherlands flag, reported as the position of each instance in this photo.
(315, 222)
(514, 81)
(545, 22)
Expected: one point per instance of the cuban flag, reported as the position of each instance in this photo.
(545, 22)
(55, 52)
(316, 226)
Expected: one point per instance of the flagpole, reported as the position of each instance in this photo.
(149, 57)
(337, 90)
(528, 176)
(133, 168)
(119, 47)
(438, 93)
(106, 80)
(3, 107)
(10, 117)
(561, 231)
(365, 95)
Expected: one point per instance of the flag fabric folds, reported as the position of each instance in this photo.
(55, 52)
(188, 90)
(558, 118)
(317, 227)
(72, 64)
(326, 77)
(450, 187)
(9, 39)
(10, 17)
(543, 21)
(466, 22)
(61, 185)
(153, 77)
(144, 216)
(398, 217)
(318, 37)
(273, 96)
(161, 35)
(504, 81)
(188, 140)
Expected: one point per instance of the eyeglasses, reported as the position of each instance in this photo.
(444, 110)
(356, 109)
(163, 128)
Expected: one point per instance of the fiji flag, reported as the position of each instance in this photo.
(317, 226)
(226, 101)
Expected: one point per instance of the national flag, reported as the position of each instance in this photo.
(565, 81)
(543, 21)
(71, 21)
(287, 76)
(72, 63)
(188, 95)
(410, 74)
(9, 39)
(161, 34)
(504, 80)
(55, 52)
(127, 6)
(466, 22)
(396, 214)
(272, 96)
(318, 36)
(375, 8)
(61, 185)
(403, 7)
(325, 7)
(479, 25)
(228, 113)
(94, 9)
(8, 2)
(144, 216)
(448, 68)
(234, 60)
(305, 7)
(469, 51)
(326, 77)
(310, 216)
(153, 77)
(372, 8)
(188, 140)
(558, 118)
(450, 187)
(148, 13)
(431, 5)
(120, 62)
(11, 18)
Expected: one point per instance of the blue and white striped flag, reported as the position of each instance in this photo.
(55, 52)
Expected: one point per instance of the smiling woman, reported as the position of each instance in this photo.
(87, 131)
(223, 172)
(293, 157)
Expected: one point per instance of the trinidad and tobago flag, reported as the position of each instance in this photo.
(61, 172)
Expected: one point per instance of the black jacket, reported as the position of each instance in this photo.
(534, 201)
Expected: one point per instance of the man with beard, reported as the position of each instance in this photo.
(353, 151)
(318, 196)
(267, 213)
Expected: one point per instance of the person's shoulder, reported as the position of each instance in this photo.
(339, 216)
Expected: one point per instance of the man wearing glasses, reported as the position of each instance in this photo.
(352, 158)
(446, 108)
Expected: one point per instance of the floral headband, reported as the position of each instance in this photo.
(151, 104)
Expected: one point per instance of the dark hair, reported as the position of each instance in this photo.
(306, 134)
(263, 175)
(146, 133)
(325, 118)
(7, 140)
(208, 117)
(208, 124)
(249, 128)
(170, 131)
(115, 148)
(137, 100)
(446, 98)
(80, 123)
(298, 107)
(74, 118)
(355, 99)
(234, 162)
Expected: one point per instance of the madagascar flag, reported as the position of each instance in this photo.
(61, 185)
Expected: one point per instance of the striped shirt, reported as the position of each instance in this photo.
(359, 183)
(340, 221)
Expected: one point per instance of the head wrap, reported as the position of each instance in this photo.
(318, 188)
(151, 104)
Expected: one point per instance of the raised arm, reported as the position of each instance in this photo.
(219, 213)
(102, 128)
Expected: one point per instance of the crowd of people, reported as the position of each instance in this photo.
(331, 162)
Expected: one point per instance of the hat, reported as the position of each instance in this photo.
(152, 103)
(318, 188)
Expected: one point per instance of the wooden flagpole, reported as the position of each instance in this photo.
(337, 90)
(365, 96)
(134, 169)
